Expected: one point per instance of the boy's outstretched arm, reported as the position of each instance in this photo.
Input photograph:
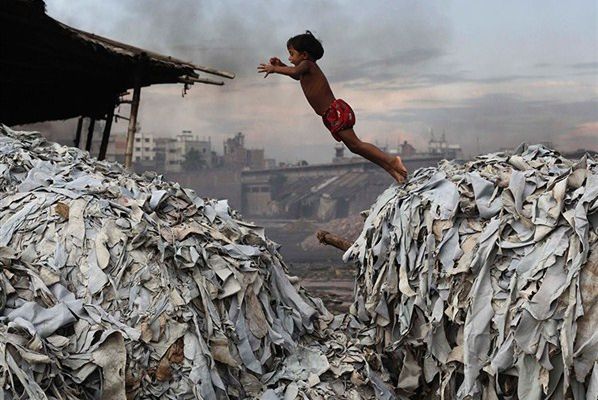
(294, 72)
(277, 61)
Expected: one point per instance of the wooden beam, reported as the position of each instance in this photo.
(78, 133)
(106, 134)
(132, 126)
(92, 125)
(330, 239)
(214, 71)
(189, 80)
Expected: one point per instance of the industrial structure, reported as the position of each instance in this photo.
(319, 192)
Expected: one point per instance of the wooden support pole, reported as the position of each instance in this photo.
(106, 134)
(132, 126)
(78, 133)
(330, 239)
(92, 125)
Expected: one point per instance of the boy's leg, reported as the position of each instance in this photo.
(392, 164)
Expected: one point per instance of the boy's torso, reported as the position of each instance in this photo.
(316, 89)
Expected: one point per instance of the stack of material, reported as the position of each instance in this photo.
(114, 286)
(112, 280)
(340, 365)
(481, 279)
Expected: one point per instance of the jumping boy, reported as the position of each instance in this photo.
(338, 117)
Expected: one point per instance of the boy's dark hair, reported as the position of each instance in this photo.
(307, 42)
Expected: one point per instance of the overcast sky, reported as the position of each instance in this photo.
(494, 72)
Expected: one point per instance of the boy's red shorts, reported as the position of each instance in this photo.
(338, 117)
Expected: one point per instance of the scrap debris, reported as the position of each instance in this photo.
(480, 279)
(475, 281)
(116, 285)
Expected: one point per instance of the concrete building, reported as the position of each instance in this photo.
(170, 153)
(188, 142)
(320, 192)
(237, 156)
(167, 155)
(144, 147)
(440, 147)
(269, 163)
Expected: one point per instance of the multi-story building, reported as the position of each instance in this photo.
(170, 153)
(144, 147)
(167, 154)
(202, 147)
(237, 156)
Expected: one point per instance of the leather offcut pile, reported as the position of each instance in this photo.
(475, 281)
(120, 286)
(112, 281)
(480, 279)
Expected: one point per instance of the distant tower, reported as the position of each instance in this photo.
(339, 151)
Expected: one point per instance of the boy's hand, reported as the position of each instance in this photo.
(276, 61)
(267, 68)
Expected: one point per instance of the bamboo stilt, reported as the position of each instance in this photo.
(78, 133)
(92, 124)
(106, 134)
(132, 126)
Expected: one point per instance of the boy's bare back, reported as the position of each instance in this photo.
(316, 87)
(313, 81)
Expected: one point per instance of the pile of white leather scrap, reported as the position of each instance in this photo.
(115, 285)
(480, 279)
(111, 281)
(341, 364)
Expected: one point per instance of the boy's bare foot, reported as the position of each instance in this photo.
(398, 177)
(400, 170)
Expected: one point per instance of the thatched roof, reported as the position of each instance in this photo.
(51, 71)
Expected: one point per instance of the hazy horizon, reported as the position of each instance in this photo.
(498, 72)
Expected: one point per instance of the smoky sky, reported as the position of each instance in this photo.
(234, 35)
(405, 66)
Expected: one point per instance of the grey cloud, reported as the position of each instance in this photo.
(499, 120)
(418, 81)
(510, 78)
(386, 68)
(236, 35)
(587, 65)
